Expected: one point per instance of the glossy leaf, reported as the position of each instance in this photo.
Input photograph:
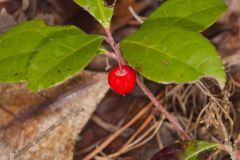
(190, 14)
(43, 55)
(98, 9)
(187, 150)
(172, 54)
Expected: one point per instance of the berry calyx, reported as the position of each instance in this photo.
(122, 82)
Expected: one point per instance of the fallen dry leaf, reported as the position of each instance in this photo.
(51, 132)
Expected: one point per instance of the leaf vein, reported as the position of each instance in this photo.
(149, 47)
(62, 59)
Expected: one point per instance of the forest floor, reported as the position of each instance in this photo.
(122, 120)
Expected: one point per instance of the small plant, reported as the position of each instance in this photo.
(168, 48)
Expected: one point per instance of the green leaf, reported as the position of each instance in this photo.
(102, 50)
(186, 150)
(171, 54)
(98, 9)
(167, 47)
(44, 55)
(193, 148)
(191, 14)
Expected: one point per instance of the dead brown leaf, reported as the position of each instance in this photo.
(49, 132)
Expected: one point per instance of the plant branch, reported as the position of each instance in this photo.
(162, 109)
(144, 88)
(109, 39)
(111, 55)
(135, 15)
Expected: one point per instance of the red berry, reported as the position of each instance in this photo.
(124, 82)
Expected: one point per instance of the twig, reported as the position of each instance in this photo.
(157, 125)
(204, 89)
(109, 127)
(214, 154)
(162, 110)
(141, 140)
(158, 137)
(134, 14)
(142, 127)
(227, 141)
(101, 123)
(110, 139)
(115, 48)
(89, 148)
(198, 120)
(111, 55)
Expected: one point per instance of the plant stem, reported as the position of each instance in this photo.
(144, 88)
(115, 48)
(162, 109)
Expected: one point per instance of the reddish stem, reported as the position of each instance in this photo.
(111, 55)
(162, 109)
(144, 88)
(115, 48)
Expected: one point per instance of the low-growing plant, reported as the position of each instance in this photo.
(168, 48)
